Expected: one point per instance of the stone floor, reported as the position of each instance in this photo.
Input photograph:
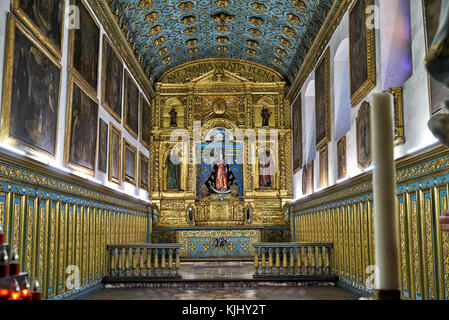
(223, 271)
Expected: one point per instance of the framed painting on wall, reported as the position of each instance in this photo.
(30, 102)
(131, 105)
(145, 122)
(84, 47)
(112, 80)
(129, 162)
(323, 167)
(103, 146)
(362, 52)
(310, 188)
(81, 128)
(438, 92)
(115, 154)
(304, 179)
(45, 19)
(399, 135)
(323, 101)
(297, 134)
(363, 123)
(341, 159)
(144, 176)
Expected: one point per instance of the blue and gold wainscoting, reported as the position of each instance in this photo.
(57, 220)
(343, 215)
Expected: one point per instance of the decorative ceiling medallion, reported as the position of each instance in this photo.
(289, 31)
(193, 51)
(255, 32)
(251, 51)
(188, 19)
(186, 5)
(156, 29)
(252, 43)
(258, 6)
(222, 17)
(145, 3)
(163, 51)
(166, 60)
(278, 61)
(299, 4)
(285, 42)
(221, 48)
(190, 30)
(294, 18)
(159, 41)
(281, 52)
(192, 42)
(256, 20)
(151, 17)
(222, 3)
(222, 39)
(222, 28)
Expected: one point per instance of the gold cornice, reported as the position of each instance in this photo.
(107, 19)
(323, 37)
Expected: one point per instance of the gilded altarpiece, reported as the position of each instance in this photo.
(197, 102)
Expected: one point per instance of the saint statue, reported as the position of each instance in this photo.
(173, 117)
(266, 167)
(173, 171)
(437, 63)
(221, 178)
(266, 114)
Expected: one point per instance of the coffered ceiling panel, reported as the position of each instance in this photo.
(166, 33)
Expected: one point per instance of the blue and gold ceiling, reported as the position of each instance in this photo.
(167, 33)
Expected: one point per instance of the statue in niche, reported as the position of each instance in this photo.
(437, 64)
(221, 178)
(173, 166)
(266, 169)
(173, 117)
(266, 114)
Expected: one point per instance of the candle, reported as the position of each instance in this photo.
(15, 264)
(384, 185)
(2, 235)
(4, 263)
(36, 294)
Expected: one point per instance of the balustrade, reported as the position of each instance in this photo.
(292, 259)
(144, 260)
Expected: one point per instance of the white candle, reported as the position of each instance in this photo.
(384, 187)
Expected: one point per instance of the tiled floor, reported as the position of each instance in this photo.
(223, 271)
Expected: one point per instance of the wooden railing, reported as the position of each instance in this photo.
(144, 260)
(292, 259)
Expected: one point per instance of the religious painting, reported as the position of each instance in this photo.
(129, 162)
(31, 92)
(438, 92)
(323, 167)
(131, 106)
(145, 122)
(103, 146)
(399, 137)
(266, 169)
(297, 134)
(364, 150)
(82, 126)
(115, 154)
(323, 101)
(84, 47)
(308, 178)
(362, 52)
(45, 18)
(172, 167)
(112, 80)
(144, 175)
(341, 159)
(304, 179)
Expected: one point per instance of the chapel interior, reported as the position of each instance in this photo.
(297, 147)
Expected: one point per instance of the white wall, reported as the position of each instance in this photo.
(415, 91)
(58, 162)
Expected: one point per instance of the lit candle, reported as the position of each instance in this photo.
(384, 185)
(36, 293)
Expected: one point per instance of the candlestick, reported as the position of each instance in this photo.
(2, 235)
(384, 181)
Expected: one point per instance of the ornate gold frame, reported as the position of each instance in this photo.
(141, 186)
(324, 172)
(106, 41)
(125, 91)
(12, 24)
(340, 144)
(326, 60)
(128, 145)
(299, 105)
(15, 7)
(357, 136)
(399, 137)
(73, 79)
(143, 102)
(72, 51)
(113, 129)
(370, 83)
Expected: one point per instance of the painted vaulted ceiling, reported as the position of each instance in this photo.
(275, 33)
